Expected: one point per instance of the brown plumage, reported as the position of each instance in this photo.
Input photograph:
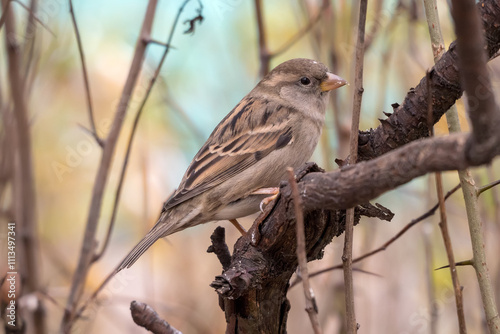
(277, 125)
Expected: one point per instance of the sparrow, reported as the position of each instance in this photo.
(277, 125)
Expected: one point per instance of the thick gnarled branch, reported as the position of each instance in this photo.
(409, 120)
(258, 275)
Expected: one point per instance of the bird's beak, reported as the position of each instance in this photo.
(332, 82)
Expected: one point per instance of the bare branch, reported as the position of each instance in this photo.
(388, 242)
(487, 187)
(24, 181)
(88, 246)
(311, 307)
(352, 326)
(264, 55)
(32, 14)
(144, 316)
(85, 76)
(133, 131)
(484, 114)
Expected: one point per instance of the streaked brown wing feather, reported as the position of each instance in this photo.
(238, 142)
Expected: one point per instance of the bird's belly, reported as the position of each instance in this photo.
(240, 208)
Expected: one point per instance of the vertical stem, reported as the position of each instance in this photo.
(311, 307)
(88, 246)
(263, 50)
(85, 75)
(353, 148)
(451, 258)
(25, 195)
(469, 189)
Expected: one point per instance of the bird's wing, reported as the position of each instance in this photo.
(238, 142)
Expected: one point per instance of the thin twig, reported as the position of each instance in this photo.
(484, 114)
(85, 76)
(390, 241)
(439, 189)
(88, 246)
(133, 131)
(482, 189)
(353, 152)
(145, 316)
(35, 17)
(451, 257)
(470, 43)
(30, 33)
(311, 306)
(458, 264)
(24, 179)
(264, 54)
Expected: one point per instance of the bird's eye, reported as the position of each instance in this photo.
(305, 81)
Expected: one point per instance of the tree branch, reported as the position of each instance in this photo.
(409, 120)
(85, 76)
(484, 115)
(260, 271)
(311, 306)
(145, 316)
(88, 246)
(24, 181)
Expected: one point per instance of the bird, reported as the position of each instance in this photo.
(277, 125)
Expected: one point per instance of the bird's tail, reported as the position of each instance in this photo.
(160, 230)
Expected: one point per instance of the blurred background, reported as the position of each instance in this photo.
(204, 76)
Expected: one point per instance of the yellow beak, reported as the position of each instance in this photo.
(332, 82)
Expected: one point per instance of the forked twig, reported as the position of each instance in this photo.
(85, 76)
(88, 245)
(133, 131)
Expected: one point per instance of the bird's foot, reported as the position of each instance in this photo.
(266, 191)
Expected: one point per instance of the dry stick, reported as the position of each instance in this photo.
(29, 47)
(88, 246)
(85, 76)
(388, 242)
(31, 33)
(132, 134)
(124, 166)
(483, 111)
(264, 54)
(443, 224)
(35, 17)
(451, 258)
(311, 306)
(353, 151)
(482, 189)
(438, 47)
(427, 232)
(25, 195)
(145, 316)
